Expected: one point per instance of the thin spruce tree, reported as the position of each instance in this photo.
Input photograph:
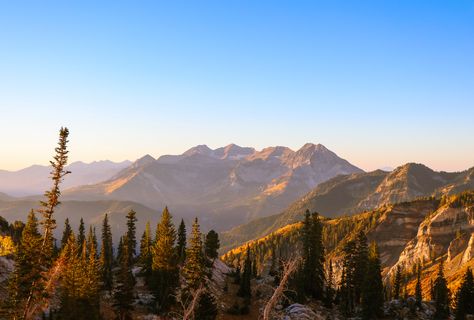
(106, 254)
(181, 247)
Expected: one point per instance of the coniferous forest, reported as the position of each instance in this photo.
(76, 276)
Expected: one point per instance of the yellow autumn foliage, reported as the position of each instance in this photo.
(7, 246)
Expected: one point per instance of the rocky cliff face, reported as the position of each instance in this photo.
(426, 231)
(447, 232)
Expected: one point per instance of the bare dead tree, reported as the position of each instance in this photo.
(288, 268)
(189, 305)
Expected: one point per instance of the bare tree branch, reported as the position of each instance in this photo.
(288, 268)
(189, 307)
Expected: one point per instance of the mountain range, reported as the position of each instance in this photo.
(225, 186)
(249, 193)
(35, 179)
(358, 192)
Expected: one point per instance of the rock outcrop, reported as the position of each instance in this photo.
(443, 232)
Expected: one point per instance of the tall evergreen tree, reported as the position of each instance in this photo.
(465, 296)
(397, 283)
(245, 281)
(27, 270)
(372, 290)
(66, 233)
(212, 244)
(194, 268)
(120, 250)
(123, 295)
(131, 236)
(441, 295)
(164, 262)
(361, 262)
(418, 292)
(47, 248)
(312, 272)
(92, 241)
(52, 196)
(106, 254)
(347, 285)
(181, 248)
(81, 235)
(146, 256)
(79, 285)
(93, 277)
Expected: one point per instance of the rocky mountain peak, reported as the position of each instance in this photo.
(143, 161)
(233, 151)
(272, 152)
(200, 149)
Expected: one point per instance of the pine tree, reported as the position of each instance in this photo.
(66, 233)
(441, 295)
(372, 290)
(27, 270)
(181, 248)
(397, 283)
(81, 235)
(465, 296)
(312, 272)
(106, 254)
(361, 262)
(93, 278)
(70, 280)
(146, 257)
(418, 292)
(92, 241)
(207, 307)
(194, 268)
(123, 295)
(212, 245)
(131, 236)
(120, 250)
(52, 196)
(47, 248)
(79, 285)
(245, 289)
(347, 284)
(165, 271)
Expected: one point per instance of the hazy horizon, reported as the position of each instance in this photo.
(383, 167)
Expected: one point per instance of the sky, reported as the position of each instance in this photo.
(381, 83)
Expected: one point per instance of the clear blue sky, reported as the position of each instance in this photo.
(380, 83)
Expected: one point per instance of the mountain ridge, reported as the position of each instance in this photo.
(229, 185)
(357, 192)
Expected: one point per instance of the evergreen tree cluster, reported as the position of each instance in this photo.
(361, 288)
(68, 282)
(86, 271)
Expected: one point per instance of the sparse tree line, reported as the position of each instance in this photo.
(72, 278)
